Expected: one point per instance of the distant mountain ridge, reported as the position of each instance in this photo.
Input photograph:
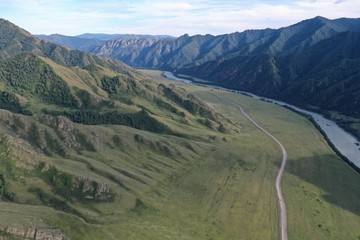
(320, 69)
(324, 75)
(312, 63)
(88, 41)
(288, 63)
(194, 50)
(106, 37)
(188, 51)
(75, 43)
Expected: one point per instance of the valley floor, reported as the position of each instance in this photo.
(215, 186)
(319, 188)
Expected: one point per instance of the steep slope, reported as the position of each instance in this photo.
(291, 63)
(257, 61)
(46, 76)
(81, 135)
(15, 40)
(177, 53)
(304, 34)
(188, 50)
(93, 149)
(280, 63)
(325, 75)
(242, 72)
(154, 53)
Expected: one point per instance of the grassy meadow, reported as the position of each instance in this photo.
(206, 185)
(321, 191)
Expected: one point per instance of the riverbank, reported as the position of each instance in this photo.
(318, 127)
(344, 143)
(344, 122)
(316, 182)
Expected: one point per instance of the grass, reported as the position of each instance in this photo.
(210, 185)
(320, 190)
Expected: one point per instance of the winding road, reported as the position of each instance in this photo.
(283, 216)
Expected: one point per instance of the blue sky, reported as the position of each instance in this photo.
(171, 17)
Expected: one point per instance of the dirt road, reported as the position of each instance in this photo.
(283, 216)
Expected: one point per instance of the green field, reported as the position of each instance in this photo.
(321, 191)
(206, 185)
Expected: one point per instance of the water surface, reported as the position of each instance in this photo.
(343, 141)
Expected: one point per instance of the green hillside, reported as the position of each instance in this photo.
(116, 182)
(15, 40)
(312, 64)
(84, 139)
(323, 77)
(93, 149)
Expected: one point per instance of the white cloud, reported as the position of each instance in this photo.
(168, 17)
(339, 1)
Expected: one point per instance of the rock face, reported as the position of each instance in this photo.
(63, 125)
(154, 53)
(93, 190)
(34, 234)
(50, 234)
(127, 47)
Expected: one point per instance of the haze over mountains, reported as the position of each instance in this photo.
(87, 41)
(291, 63)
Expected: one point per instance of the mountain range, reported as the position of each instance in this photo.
(91, 148)
(313, 64)
(89, 41)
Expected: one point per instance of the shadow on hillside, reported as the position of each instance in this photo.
(334, 177)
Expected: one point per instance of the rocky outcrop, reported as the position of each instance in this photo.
(63, 126)
(32, 233)
(49, 234)
(74, 187)
(129, 48)
(93, 190)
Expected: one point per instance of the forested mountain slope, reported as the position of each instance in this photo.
(83, 138)
(193, 50)
(313, 63)
(325, 75)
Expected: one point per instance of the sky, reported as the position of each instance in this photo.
(167, 17)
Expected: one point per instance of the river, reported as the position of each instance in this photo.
(343, 141)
